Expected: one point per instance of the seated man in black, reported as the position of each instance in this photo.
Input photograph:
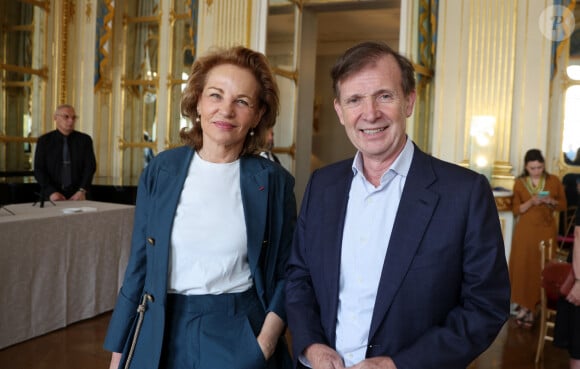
(64, 162)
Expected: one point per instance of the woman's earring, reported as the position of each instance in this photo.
(197, 120)
(252, 132)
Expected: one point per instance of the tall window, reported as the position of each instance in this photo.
(23, 75)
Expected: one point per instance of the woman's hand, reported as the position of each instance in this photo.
(537, 200)
(115, 360)
(550, 201)
(271, 331)
(267, 345)
(533, 201)
(574, 294)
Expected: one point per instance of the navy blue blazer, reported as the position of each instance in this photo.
(444, 292)
(270, 213)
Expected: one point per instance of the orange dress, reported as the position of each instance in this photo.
(536, 224)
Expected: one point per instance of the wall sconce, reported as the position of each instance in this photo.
(482, 154)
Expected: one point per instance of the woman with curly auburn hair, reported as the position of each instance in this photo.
(268, 100)
(204, 286)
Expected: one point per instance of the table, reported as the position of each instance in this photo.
(58, 268)
(503, 202)
(23, 189)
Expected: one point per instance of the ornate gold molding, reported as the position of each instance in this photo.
(43, 73)
(293, 75)
(20, 27)
(502, 168)
(68, 13)
(124, 144)
(289, 150)
(41, 4)
(504, 203)
(104, 83)
(88, 11)
(298, 3)
(175, 81)
(18, 84)
(140, 82)
(143, 19)
(7, 139)
(423, 70)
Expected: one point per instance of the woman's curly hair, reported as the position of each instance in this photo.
(268, 95)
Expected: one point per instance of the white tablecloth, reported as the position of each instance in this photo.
(58, 268)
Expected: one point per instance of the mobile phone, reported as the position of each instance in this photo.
(543, 193)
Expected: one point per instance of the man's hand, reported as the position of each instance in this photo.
(323, 357)
(78, 196)
(379, 362)
(57, 196)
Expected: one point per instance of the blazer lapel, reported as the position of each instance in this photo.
(255, 187)
(172, 175)
(415, 210)
(335, 199)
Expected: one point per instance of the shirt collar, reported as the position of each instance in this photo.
(400, 166)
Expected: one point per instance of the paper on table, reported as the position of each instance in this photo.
(83, 209)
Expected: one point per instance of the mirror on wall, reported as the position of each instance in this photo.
(281, 42)
(183, 33)
(151, 74)
(23, 77)
(140, 84)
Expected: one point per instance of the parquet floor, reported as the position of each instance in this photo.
(79, 346)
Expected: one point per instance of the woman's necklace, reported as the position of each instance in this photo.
(534, 190)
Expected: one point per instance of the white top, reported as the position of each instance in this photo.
(209, 251)
(369, 221)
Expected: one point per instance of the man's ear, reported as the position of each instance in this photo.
(410, 103)
(338, 110)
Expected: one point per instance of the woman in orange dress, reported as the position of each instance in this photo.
(538, 196)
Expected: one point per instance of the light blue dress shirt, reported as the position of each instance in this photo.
(368, 225)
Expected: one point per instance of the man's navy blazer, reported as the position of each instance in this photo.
(444, 291)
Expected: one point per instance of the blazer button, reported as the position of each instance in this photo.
(151, 241)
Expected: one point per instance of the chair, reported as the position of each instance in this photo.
(568, 222)
(547, 313)
(548, 301)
